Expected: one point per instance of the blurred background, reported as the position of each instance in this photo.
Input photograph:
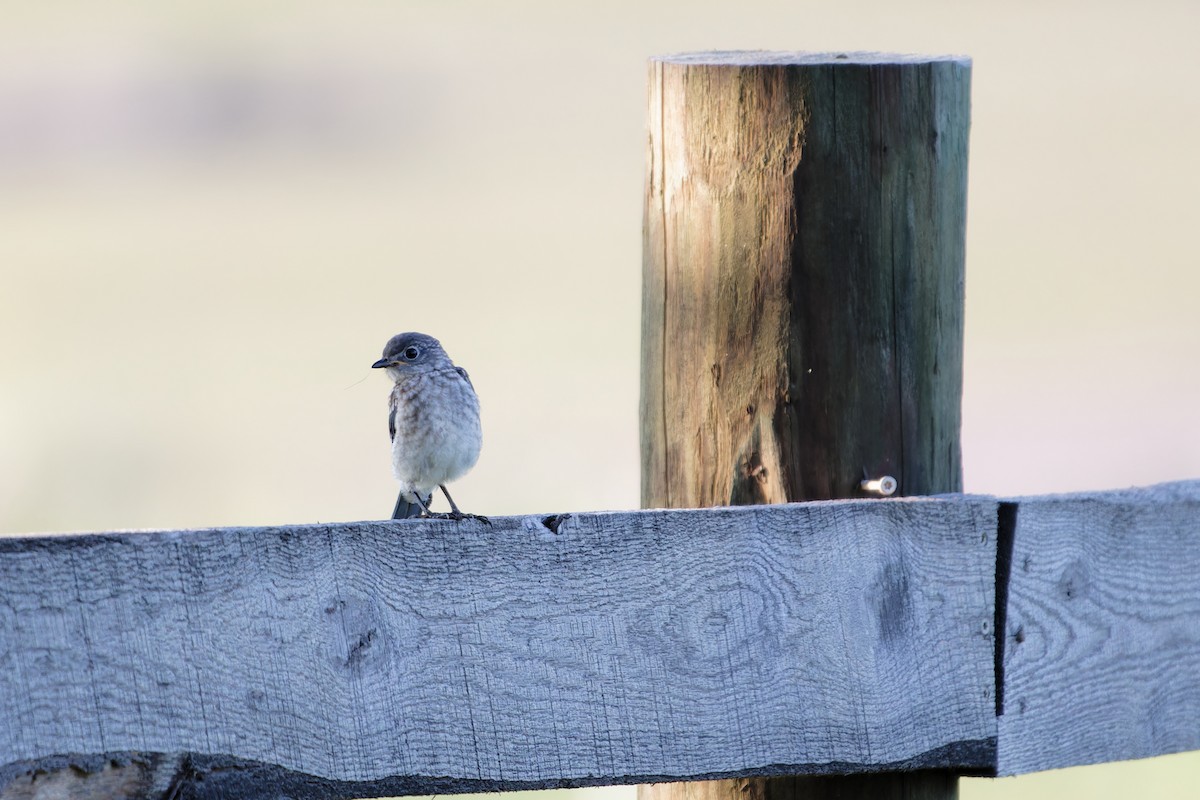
(213, 214)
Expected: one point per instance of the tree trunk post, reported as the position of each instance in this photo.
(803, 298)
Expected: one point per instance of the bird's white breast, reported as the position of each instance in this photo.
(438, 435)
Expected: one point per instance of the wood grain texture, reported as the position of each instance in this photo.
(803, 267)
(803, 275)
(1102, 639)
(424, 656)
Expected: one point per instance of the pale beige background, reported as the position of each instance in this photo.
(212, 215)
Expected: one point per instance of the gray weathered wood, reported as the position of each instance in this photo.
(424, 656)
(404, 658)
(803, 275)
(803, 290)
(1102, 638)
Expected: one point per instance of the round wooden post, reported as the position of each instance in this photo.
(803, 297)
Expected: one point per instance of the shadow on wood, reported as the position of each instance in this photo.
(803, 265)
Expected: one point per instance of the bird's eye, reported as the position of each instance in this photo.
(411, 353)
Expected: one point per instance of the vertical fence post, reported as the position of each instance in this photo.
(803, 298)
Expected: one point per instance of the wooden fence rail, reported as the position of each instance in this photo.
(413, 657)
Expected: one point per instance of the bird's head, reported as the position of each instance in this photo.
(411, 352)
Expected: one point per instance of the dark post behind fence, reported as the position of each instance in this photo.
(802, 297)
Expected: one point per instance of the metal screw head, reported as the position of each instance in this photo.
(884, 486)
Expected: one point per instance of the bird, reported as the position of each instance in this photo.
(433, 419)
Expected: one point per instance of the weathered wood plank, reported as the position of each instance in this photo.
(423, 656)
(1102, 638)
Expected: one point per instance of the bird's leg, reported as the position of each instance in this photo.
(424, 504)
(455, 514)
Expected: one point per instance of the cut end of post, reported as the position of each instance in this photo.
(802, 58)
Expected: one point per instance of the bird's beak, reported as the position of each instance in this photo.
(381, 363)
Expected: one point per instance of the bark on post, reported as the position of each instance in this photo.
(803, 296)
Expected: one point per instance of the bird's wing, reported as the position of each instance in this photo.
(466, 377)
(393, 406)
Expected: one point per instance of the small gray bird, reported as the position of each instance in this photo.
(433, 420)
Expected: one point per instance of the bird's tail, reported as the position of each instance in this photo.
(406, 508)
